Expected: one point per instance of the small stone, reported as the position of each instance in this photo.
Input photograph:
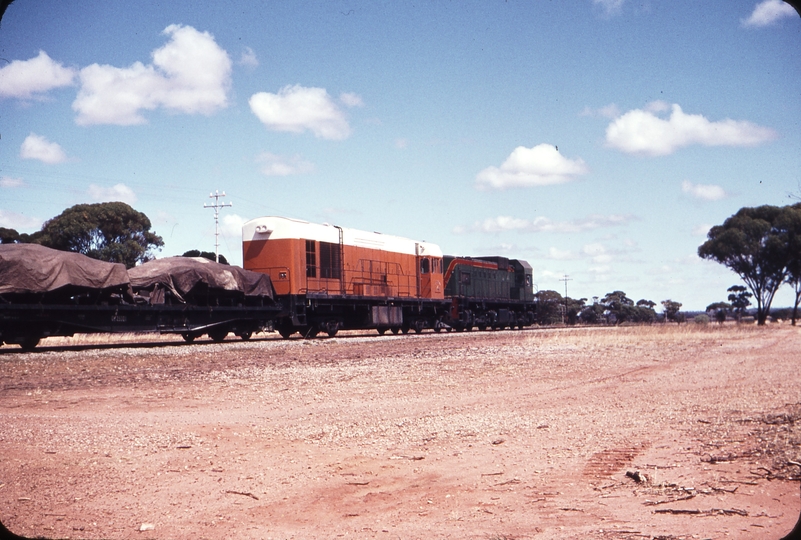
(146, 527)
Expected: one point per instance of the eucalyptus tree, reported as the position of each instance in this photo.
(111, 231)
(755, 244)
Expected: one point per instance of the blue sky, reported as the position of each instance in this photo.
(597, 139)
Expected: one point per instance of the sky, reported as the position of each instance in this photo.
(597, 139)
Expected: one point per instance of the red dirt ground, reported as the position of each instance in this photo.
(526, 434)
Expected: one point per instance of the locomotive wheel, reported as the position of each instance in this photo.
(311, 332)
(29, 343)
(395, 330)
(285, 332)
(405, 329)
(218, 336)
(482, 327)
(381, 330)
(245, 335)
(437, 329)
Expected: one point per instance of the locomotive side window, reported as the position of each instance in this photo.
(464, 278)
(528, 280)
(311, 258)
(424, 266)
(329, 261)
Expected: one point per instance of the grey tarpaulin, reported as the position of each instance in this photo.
(183, 276)
(31, 268)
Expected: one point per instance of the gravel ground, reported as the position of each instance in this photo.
(609, 433)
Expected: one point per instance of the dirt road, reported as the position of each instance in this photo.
(526, 434)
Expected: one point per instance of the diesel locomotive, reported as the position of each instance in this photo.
(329, 278)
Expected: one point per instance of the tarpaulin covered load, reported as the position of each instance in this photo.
(33, 269)
(197, 280)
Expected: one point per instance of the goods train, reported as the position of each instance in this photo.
(298, 277)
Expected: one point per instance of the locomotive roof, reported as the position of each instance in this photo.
(277, 228)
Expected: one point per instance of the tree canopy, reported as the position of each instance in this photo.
(550, 307)
(792, 222)
(672, 308)
(757, 244)
(205, 254)
(9, 236)
(111, 231)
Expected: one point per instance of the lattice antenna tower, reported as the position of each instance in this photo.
(216, 206)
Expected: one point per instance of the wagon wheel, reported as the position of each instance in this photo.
(245, 335)
(218, 336)
(188, 337)
(381, 330)
(395, 330)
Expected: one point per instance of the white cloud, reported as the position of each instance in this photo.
(643, 132)
(26, 79)
(768, 12)
(608, 111)
(701, 229)
(560, 254)
(8, 182)
(599, 274)
(349, 99)
(231, 225)
(543, 224)
(38, 147)
(296, 109)
(610, 7)
(248, 58)
(541, 165)
(597, 253)
(707, 192)
(190, 74)
(13, 220)
(276, 165)
(117, 192)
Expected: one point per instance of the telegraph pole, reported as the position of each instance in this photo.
(566, 279)
(217, 205)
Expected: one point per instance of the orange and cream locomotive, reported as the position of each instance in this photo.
(332, 277)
